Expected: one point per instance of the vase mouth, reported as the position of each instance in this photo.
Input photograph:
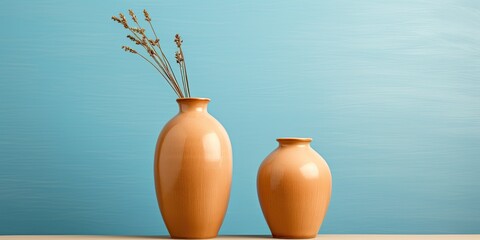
(193, 104)
(192, 99)
(293, 140)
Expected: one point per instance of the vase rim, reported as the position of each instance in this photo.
(193, 99)
(294, 140)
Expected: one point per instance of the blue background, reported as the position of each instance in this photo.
(389, 90)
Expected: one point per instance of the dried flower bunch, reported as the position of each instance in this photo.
(154, 50)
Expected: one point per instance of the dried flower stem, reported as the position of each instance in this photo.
(128, 49)
(169, 82)
(180, 62)
(147, 16)
(149, 20)
(185, 73)
(153, 53)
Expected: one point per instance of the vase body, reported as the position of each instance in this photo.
(193, 171)
(294, 185)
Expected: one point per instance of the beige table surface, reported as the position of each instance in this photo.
(321, 237)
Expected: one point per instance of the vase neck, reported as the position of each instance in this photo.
(193, 104)
(294, 142)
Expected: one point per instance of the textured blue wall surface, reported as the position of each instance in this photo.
(389, 90)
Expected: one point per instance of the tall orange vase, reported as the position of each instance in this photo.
(294, 186)
(193, 171)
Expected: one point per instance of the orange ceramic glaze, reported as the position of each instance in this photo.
(294, 185)
(193, 171)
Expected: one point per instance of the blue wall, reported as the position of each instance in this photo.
(389, 90)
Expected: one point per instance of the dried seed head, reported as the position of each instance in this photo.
(132, 14)
(123, 20)
(128, 49)
(147, 16)
(134, 39)
(151, 52)
(154, 42)
(178, 40)
(122, 17)
(138, 30)
(116, 19)
(179, 56)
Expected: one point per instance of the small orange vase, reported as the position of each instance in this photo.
(294, 185)
(193, 171)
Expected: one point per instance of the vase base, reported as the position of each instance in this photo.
(294, 236)
(193, 237)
